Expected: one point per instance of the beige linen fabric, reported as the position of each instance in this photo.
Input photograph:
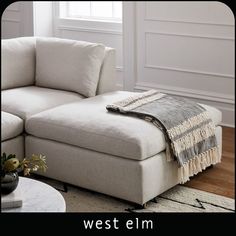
(27, 101)
(69, 65)
(132, 180)
(11, 126)
(18, 62)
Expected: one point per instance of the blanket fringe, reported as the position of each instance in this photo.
(135, 101)
(188, 124)
(192, 138)
(199, 163)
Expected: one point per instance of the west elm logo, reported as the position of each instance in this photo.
(114, 224)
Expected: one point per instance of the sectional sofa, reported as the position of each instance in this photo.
(54, 97)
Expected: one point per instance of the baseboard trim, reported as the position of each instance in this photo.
(227, 125)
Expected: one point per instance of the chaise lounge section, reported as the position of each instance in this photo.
(109, 153)
(65, 118)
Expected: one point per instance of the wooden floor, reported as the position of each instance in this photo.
(221, 178)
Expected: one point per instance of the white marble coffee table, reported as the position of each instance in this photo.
(38, 197)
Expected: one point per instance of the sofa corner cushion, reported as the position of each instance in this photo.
(11, 126)
(18, 62)
(69, 65)
(27, 101)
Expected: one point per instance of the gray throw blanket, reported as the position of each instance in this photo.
(189, 132)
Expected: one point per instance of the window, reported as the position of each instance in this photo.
(92, 10)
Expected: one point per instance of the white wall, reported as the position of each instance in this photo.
(27, 19)
(182, 48)
(43, 18)
(17, 20)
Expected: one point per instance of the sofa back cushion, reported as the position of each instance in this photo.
(68, 65)
(18, 62)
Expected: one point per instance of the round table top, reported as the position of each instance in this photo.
(38, 197)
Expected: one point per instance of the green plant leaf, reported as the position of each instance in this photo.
(10, 156)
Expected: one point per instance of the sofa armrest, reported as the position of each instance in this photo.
(107, 76)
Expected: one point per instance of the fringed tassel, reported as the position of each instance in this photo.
(135, 101)
(198, 164)
(194, 137)
(188, 124)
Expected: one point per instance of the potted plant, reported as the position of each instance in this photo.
(11, 166)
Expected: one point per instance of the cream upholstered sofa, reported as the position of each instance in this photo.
(22, 96)
(55, 92)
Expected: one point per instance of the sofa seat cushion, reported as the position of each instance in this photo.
(11, 126)
(27, 101)
(89, 125)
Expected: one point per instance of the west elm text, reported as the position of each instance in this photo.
(114, 224)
